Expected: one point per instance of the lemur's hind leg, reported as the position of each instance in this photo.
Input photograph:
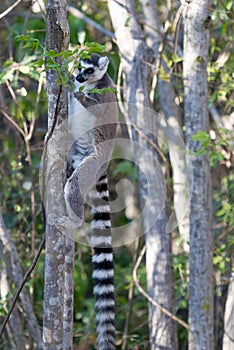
(77, 187)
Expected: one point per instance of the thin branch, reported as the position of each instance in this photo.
(17, 294)
(148, 297)
(11, 91)
(32, 124)
(121, 105)
(8, 117)
(176, 26)
(215, 115)
(78, 14)
(158, 62)
(151, 143)
(17, 105)
(4, 13)
(141, 21)
(223, 56)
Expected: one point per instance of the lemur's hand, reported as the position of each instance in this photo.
(80, 96)
(74, 200)
(85, 100)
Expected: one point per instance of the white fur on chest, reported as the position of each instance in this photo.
(80, 119)
(80, 127)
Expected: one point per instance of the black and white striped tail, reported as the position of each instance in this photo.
(103, 267)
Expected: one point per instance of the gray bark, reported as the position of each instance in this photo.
(68, 295)
(154, 37)
(196, 44)
(53, 177)
(136, 76)
(15, 271)
(14, 326)
(228, 338)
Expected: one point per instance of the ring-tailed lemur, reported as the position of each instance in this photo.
(92, 119)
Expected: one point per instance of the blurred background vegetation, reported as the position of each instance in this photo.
(23, 124)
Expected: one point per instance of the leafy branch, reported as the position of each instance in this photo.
(216, 144)
(64, 63)
(99, 91)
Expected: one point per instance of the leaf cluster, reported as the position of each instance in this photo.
(213, 144)
(63, 63)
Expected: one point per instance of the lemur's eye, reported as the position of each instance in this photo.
(89, 70)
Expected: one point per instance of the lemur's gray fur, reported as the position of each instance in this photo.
(92, 124)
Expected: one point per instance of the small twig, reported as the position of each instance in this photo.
(13, 95)
(27, 274)
(141, 21)
(78, 14)
(8, 117)
(11, 91)
(151, 143)
(148, 297)
(176, 26)
(32, 125)
(159, 61)
(120, 102)
(10, 8)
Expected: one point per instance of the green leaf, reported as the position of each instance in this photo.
(89, 48)
(6, 75)
(95, 47)
(102, 91)
(204, 138)
(177, 59)
(22, 38)
(201, 135)
(24, 69)
(126, 24)
(39, 63)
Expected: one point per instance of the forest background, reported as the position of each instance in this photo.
(23, 125)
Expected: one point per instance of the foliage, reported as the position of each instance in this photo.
(24, 61)
(214, 144)
(62, 62)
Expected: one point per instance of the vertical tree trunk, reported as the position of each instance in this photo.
(57, 38)
(15, 272)
(68, 295)
(136, 75)
(228, 338)
(196, 45)
(154, 38)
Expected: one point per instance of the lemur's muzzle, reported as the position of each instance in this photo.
(80, 78)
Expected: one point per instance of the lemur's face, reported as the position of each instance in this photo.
(92, 70)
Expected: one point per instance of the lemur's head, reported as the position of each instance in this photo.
(92, 69)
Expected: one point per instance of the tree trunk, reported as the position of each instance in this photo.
(228, 338)
(136, 77)
(53, 177)
(196, 45)
(174, 137)
(15, 272)
(68, 295)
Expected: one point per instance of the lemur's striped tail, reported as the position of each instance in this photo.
(103, 267)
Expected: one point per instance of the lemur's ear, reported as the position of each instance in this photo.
(103, 62)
